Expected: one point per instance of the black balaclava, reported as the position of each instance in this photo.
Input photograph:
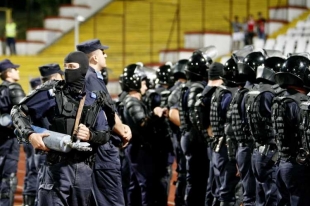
(75, 77)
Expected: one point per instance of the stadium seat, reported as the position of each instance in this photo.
(301, 44)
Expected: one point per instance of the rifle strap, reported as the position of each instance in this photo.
(78, 116)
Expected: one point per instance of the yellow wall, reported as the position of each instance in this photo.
(138, 30)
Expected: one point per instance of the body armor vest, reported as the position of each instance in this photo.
(174, 97)
(135, 113)
(240, 131)
(287, 135)
(183, 109)
(194, 91)
(66, 110)
(149, 99)
(216, 121)
(259, 126)
(147, 128)
(305, 126)
(173, 100)
(164, 95)
(202, 110)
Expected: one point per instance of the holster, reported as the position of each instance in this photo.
(218, 143)
(263, 150)
(231, 148)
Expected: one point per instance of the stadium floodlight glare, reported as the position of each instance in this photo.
(77, 20)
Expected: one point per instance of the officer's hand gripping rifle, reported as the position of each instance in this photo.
(63, 142)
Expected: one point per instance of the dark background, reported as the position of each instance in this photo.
(29, 13)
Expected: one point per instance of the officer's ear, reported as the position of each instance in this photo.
(93, 57)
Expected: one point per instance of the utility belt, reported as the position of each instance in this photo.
(74, 157)
(264, 149)
(248, 143)
(289, 156)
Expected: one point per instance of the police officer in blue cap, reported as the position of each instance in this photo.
(10, 94)
(34, 160)
(51, 72)
(30, 179)
(107, 176)
(35, 82)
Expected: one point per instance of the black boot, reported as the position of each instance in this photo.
(29, 200)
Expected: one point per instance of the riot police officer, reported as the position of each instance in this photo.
(292, 178)
(202, 110)
(173, 104)
(143, 149)
(66, 177)
(10, 95)
(258, 103)
(224, 168)
(30, 179)
(36, 160)
(247, 69)
(192, 142)
(165, 85)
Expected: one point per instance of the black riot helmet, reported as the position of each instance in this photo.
(131, 78)
(105, 75)
(197, 66)
(164, 74)
(250, 64)
(245, 71)
(254, 59)
(266, 72)
(179, 69)
(231, 75)
(150, 77)
(140, 70)
(294, 72)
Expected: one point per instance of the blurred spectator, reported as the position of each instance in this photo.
(10, 34)
(245, 30)
(237, 33)
(250, 29)
(260, 24)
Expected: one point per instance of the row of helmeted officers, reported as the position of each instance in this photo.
(239, 131)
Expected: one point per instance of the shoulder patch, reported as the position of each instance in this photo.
(93, 95)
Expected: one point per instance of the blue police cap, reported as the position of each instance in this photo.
(7, 64)
(35, 82)
(49, 69)
(90, 46)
